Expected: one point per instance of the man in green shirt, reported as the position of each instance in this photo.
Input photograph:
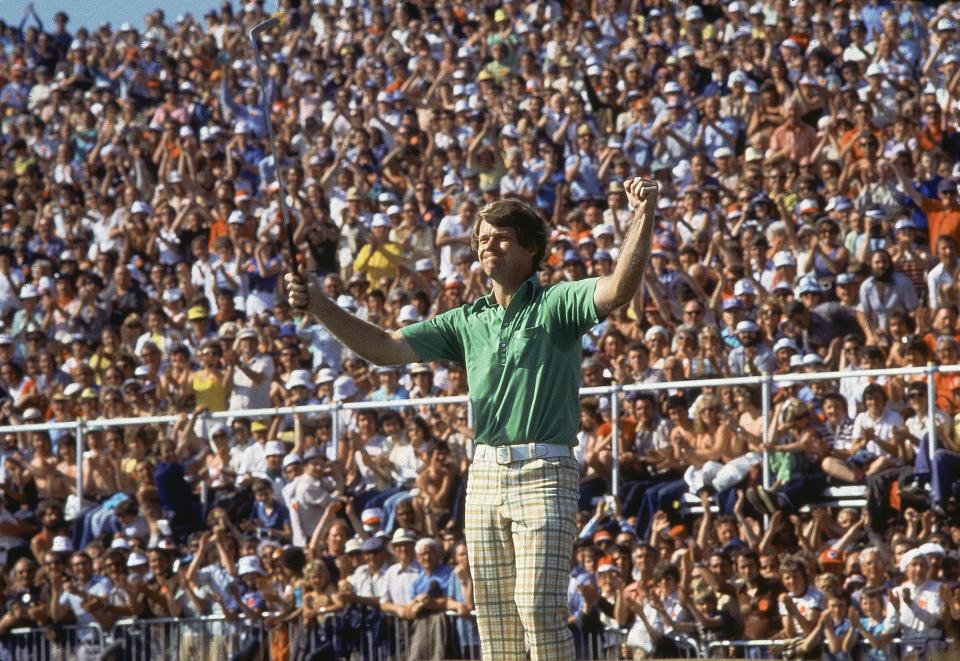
(521, 349)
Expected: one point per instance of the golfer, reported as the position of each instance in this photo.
(521, 349)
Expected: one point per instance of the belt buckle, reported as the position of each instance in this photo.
(504, 455)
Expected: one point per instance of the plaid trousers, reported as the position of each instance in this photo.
(520, 528)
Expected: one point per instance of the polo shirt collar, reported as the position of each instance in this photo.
(525, 292)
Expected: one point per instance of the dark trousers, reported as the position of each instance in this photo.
(665, 497)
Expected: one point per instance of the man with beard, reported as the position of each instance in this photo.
(752, 356)
(882, 293)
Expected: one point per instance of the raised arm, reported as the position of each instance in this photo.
(370, 342)
(619, 287)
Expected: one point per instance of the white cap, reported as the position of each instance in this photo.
(28, 291)
(684, 51)
(809, 204)
(812, 359)
(932, 548)
(274, 449)
(347, 302)
(874, 70)
(249, 564)
(510, 131)
(371, 518)
(343, 388)
(672, 87)
(62, 544)
(140, 207)
(425, 264)
(722, 152)
(175, 177)
(136, 559)
(910, 556)
(403, 535)
(450, 179)
(737, 76)
(298, 378)
(785, 343)
(654, 331)
(325, 375)
(744, 288)
(408, 313)
(946, 24)
(72, 389)
(693, 13)
(603, 229)
(380, 220)
(784, 258)
(746, 326)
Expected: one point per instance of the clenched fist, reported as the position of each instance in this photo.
(303, 290)
(642, 194)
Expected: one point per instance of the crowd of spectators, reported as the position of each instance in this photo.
(809, 160)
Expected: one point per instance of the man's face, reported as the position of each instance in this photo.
(501, 255)
(429, 558)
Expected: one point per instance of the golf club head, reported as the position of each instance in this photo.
(265, 25)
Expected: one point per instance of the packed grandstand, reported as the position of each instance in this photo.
(808, 154)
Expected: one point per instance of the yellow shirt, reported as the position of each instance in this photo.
(209, 392)
(380, 263)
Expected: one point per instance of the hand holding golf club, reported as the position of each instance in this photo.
(303, 290)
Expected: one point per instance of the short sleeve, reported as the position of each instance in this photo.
(571, 304)
(437, 338)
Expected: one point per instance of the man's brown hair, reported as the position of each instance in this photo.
(524, 219)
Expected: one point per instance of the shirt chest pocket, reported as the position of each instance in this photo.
(529, 347)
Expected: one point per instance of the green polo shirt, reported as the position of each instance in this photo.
(523, 362)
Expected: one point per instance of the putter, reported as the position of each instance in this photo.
(265, 103)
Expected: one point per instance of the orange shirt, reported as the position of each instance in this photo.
(941, 221)
(218, 228)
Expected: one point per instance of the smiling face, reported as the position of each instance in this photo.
(501, 255)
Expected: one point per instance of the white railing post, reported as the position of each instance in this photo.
(766, 389)
(334, 428)
(931, 411)
(81, 427)
(615, 438)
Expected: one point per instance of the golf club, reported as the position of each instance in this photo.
(265, 103)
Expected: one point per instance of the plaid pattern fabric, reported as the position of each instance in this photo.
(520, 529)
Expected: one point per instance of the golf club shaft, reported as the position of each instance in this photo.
(265, 103)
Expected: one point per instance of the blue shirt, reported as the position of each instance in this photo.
(422, 583)
(467, 632)
(274, 520)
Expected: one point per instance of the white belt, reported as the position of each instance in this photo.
(508, 454)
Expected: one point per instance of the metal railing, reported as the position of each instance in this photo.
(355, 634)
(765, 381)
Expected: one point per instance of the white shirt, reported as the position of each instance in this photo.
(937, 277)
(810, 600)
(919, 620)
(310, 498)
(249, 395)
(452, 226)
(398, 582)
(365, 584)
(882, 428)
(375, 447)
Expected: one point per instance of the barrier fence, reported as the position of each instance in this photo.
(766, 382)
(214, 638)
